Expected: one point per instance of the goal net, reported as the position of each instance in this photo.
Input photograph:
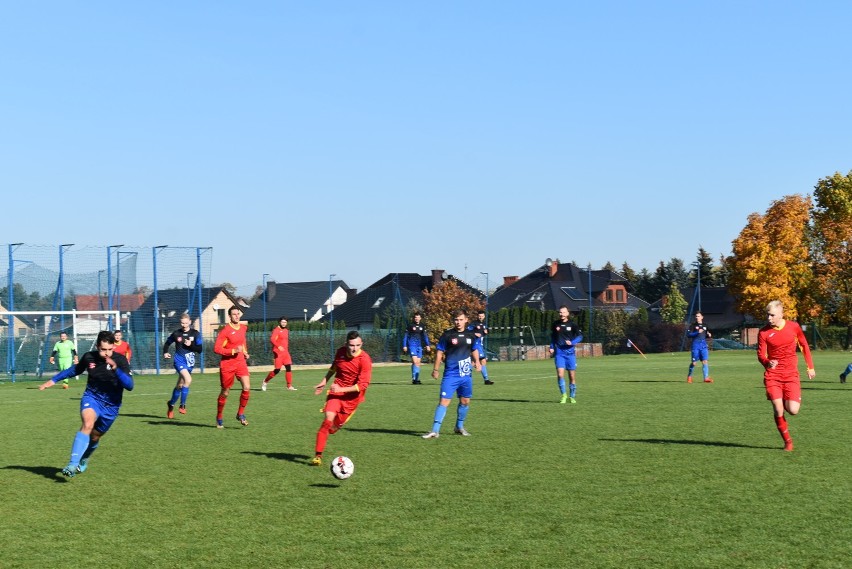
(27, 338)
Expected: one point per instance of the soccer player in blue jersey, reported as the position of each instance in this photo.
(564, 335)
(481, 330)
(699, 334)
(845, 373)
(187, 341)
(458, 348)
(413, 342)
(109, 375)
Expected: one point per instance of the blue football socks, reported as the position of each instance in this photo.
(440, 413)
(462, 415)
(184, 393)
(175, 396)
(81, 443)
(561, 382)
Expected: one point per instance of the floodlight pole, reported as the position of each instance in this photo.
(156, 250)
(198, 286)
(10, 336)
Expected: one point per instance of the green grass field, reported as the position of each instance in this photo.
(644, 471)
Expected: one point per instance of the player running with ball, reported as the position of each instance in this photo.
(109, 375)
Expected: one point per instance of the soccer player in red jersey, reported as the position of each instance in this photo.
(122, 347)
(231, 345)
(352, 368)
(280, 340)
(776, 351)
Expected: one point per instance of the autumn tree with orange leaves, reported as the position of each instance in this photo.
(832, 248)
(442, 301)
(771, 260)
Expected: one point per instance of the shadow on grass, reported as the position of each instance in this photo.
(324, 485)
(49, 472)
(281, 456)
(657, 381)
(174, 423)
(141, 415)
(504, 400)
(688, 442)
(384, 431)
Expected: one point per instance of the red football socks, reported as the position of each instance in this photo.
(244, 397)
(781, 423)
(322, 436)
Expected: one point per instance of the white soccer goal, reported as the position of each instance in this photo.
(28, 337)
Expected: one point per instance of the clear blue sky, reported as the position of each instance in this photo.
(301, 139)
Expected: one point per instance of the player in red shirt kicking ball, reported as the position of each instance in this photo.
(776, 351)
(352, 369)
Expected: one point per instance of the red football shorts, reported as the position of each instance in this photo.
(342, 406)
(786, 390)
(282, 359)
(230, 370)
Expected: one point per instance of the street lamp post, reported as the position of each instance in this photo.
(485, 338)
(591, 309)
(698, 283)
(188, 296)
(265, 345)
(331, 314)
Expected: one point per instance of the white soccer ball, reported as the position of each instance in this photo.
(342, 467)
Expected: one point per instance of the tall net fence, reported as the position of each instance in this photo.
(115, 277)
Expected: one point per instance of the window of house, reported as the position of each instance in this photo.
(572, 293)
(619, 295)
(608, 295)
(378, 302)
(220, 316)
(536, 296)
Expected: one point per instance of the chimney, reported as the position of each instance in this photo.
(510, 280)
(270, 290)
(554, 267)
(437, 276)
